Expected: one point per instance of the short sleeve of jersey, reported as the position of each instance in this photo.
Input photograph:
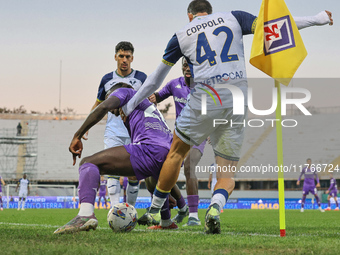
(172, 52)
(165, 92)
(140, 76)
(101, 90)
(246, 20)
(123, 94)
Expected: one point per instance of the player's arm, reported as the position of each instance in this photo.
(209, 181)
(16, 189)
(322, 18)
(93, 118)
(28, 188)
(172, 54)
(302, 173)
(161, 95)
(317, 180)
(3, 182)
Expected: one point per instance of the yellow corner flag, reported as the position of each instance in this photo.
(277, 49)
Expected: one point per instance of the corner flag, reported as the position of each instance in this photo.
(277, 49)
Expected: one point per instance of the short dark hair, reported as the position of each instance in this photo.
(309, 159)
(125, 46)
(199, 6)
(117, 86)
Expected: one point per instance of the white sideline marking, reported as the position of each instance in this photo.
(181, 231)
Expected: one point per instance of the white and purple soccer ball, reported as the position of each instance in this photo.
(122, 217)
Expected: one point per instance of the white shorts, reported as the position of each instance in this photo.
(0, 193)
(193, 128)
(116, 141)
(23, 194)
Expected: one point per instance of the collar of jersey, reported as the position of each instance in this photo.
(124, 76)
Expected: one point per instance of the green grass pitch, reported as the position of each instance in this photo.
(243, 232)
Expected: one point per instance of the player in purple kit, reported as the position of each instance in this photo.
(143, 157)
(123, 183)
(102, 192)
(309, 184)
(332, 192)
(180, 89)
(2, 182)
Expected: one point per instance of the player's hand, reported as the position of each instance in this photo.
(76, 149)
(209, 187)
(298, 183)
(330, 18)
(318, 185)
(85, 137)
(152, 98)
(122, 114)
(327, 192)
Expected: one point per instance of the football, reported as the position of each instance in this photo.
(122, 217)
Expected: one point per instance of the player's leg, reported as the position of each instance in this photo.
(113, 188)
(125, 183)
(336, 201)
(329, 203)
(1, 201)
(192, 185)
(132, 190)
(183, 210)
(19, 202)
(314, 191)
(23, 203)
(169, 174)
(112, 161)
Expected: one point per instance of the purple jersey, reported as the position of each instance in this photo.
(310, 176)
(145, 124)
(102, 187)
(332, 188)
(179, 90)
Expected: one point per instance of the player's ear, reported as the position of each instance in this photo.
(131, 58)
(116, 57)
(190, 16)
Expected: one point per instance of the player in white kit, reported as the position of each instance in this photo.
(212, 44)
(116, 133)
(24, 191)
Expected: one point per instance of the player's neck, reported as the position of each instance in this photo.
(124, 73)
(187, 81)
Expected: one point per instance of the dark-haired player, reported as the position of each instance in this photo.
(212, 43)
(116, 133)
(102, 191)
(143, 157)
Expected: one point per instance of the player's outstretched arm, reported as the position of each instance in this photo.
(153, 82)
(322, 18)
(93, 118)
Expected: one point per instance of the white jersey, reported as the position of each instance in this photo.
(114, 125)
(213, 47)
(23, 185)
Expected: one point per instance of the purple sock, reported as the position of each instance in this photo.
(193, 203)
(124, 199)
(89, 179)
(181, 202)
(336, 203)
(318, 200)
(165, 211)
(1, 201)
(303, 201)
(329, 203)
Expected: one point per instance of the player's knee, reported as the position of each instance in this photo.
(83, 161)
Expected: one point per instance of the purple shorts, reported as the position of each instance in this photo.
(333, 193)
(309, 188)
(102, 195)
(146, 159)
(125, 183)
(200, 147)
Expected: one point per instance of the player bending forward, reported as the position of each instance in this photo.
(144, 157)
(212, 43)
(309, 184)
(332, 192)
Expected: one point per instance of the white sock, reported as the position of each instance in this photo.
(166, 223)
(157, 202)
(132, 194)
(23, 204)
(86, 209)
(218, 199)
(19, 204)
(193, 214)
(113, 188)
(184, 208)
